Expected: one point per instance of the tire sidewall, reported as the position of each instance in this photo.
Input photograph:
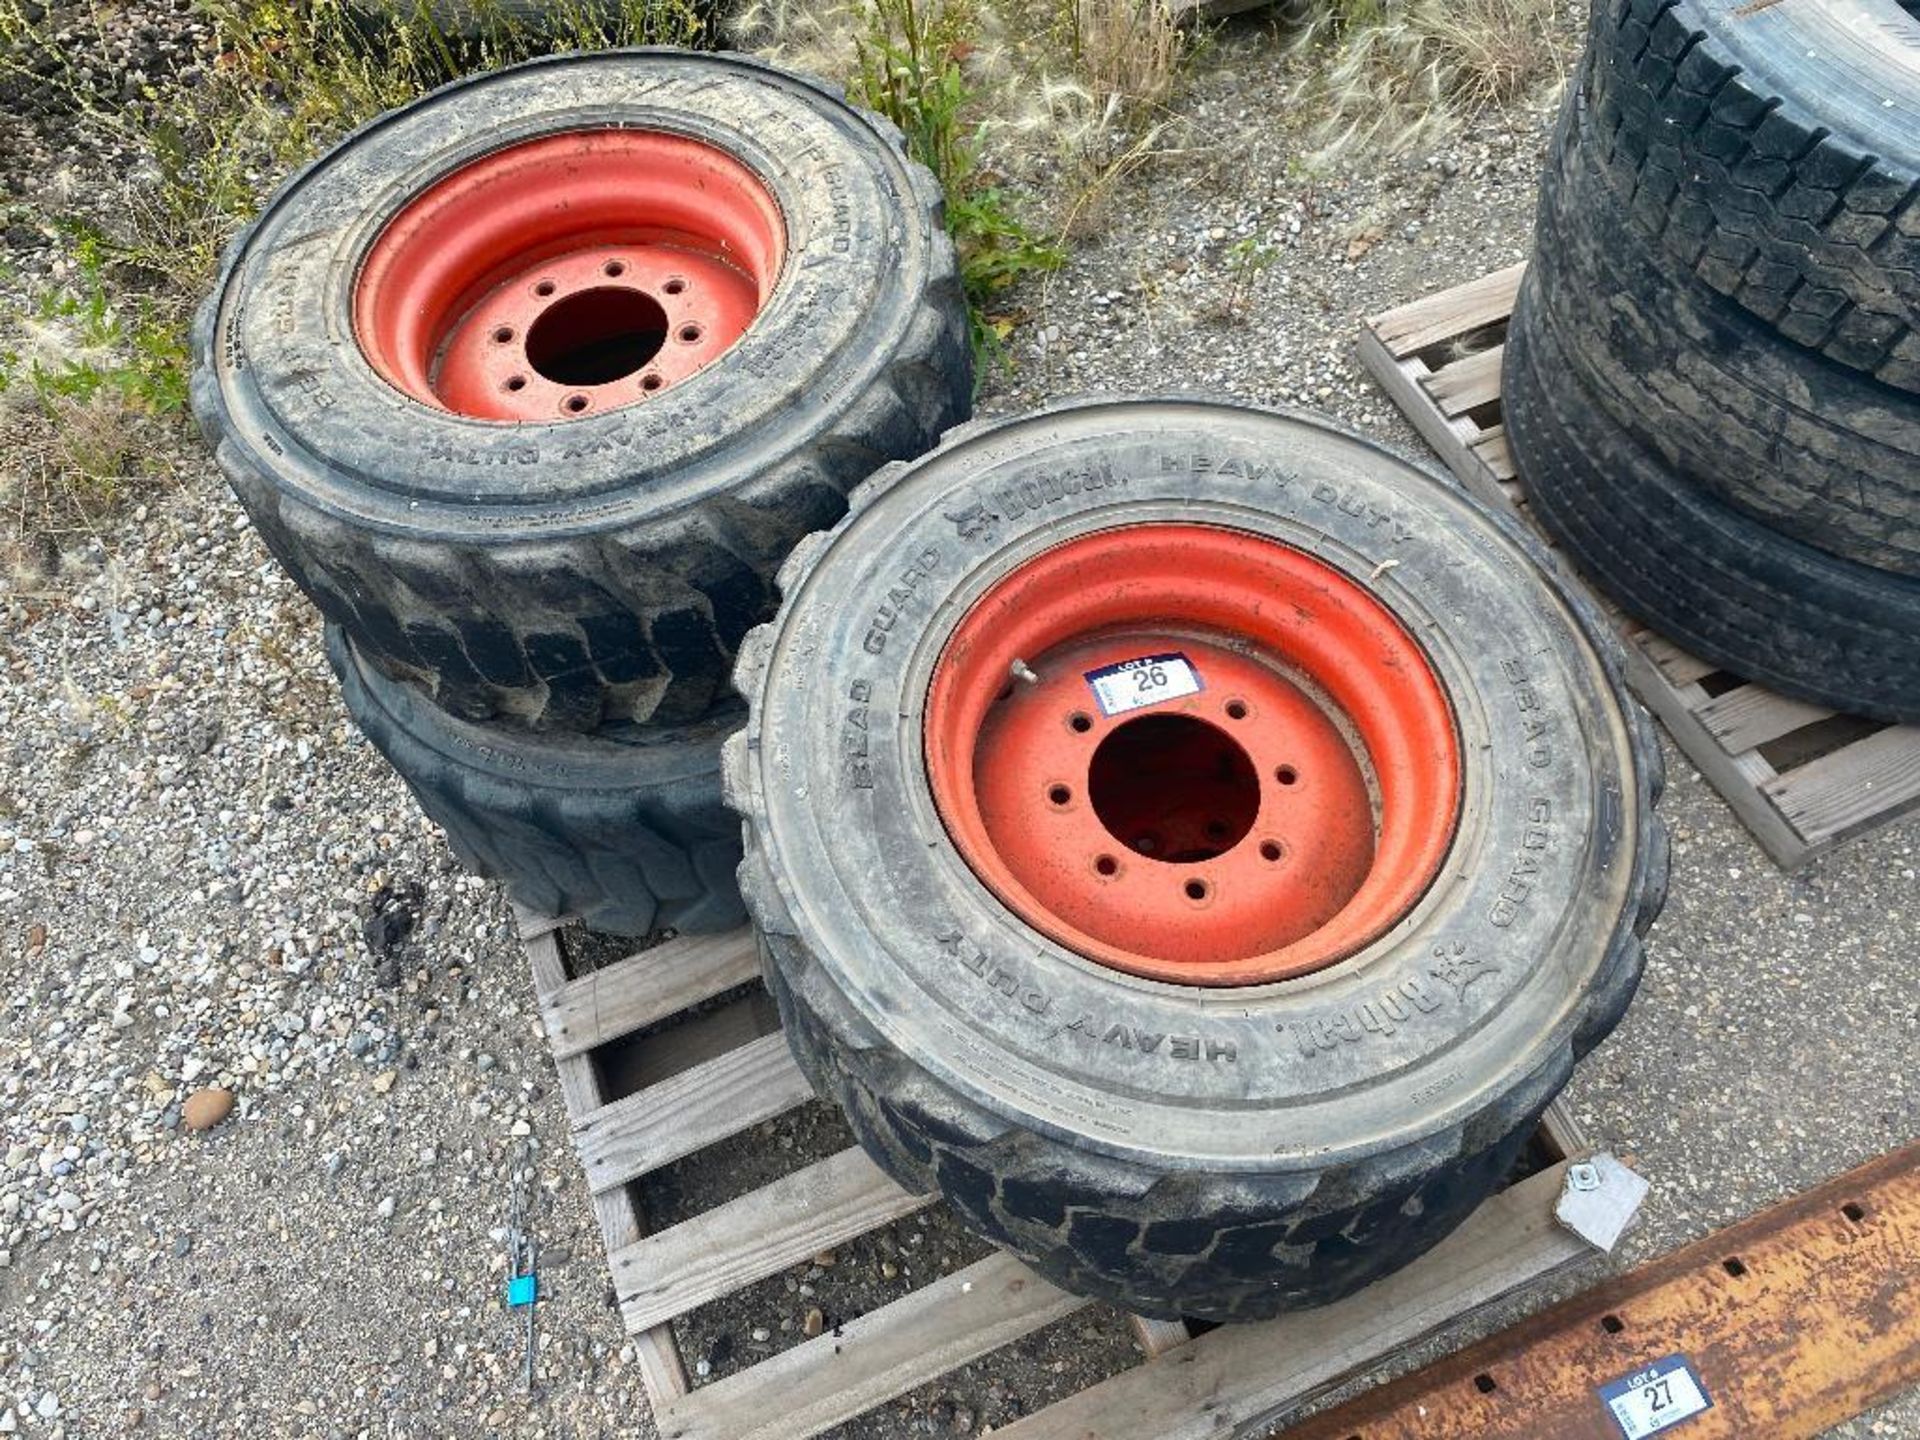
(297, 395)
(1478, 984)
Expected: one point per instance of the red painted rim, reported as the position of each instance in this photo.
(1288, 809)
(569, 275)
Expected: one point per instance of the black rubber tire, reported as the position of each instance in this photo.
(1753, 601)
(1311, 1135)
(593, 571)
(1774, 152)
(633, 837)
(1808, 447)
(1636, 405)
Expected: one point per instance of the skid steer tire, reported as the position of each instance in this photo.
(1247, 1144)
(630, 836)
(561, 547)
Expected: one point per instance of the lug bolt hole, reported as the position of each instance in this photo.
(674, 286)
(1080, 722)
(576, 403)
(1236, 709)
(516, 382)
(1107, 865)
(1059, 794)
(1286, 775)
(545, 288)
(1270, 850)
(651, 382)
(614, 269)
(502, 334)
(690, 333)
(1196, 889)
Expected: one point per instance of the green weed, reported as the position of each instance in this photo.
(909, 68)
(1247, 259)
(90, 343)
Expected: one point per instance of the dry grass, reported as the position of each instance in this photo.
(1491, 52)
(1128, 51)
(93, 371)
(820, 38)
(71, 463)
(1393, 75)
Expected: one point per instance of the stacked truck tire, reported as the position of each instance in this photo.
(1712, 387)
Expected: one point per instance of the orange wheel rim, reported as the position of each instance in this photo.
(569, 275)
(1193, 754)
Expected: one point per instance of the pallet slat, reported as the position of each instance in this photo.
(1450, 313)
(655, 1350)
(641, 989)
(1495, 453)
(1468, 383)
(1418, 353)
(1240, 1380)
(1677, 665)
(760, 1234)
(704, 1083)
(736, 1089)
(1867, 783)
(1750, 716)
(874, 1359)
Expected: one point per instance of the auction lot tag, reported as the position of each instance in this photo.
(1148, 680)
(1655, 1398)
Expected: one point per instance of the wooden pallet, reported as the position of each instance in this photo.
(638, 1106)
(1802, 778)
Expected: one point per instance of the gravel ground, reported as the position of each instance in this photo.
(207, 880)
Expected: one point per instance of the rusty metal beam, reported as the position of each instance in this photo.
(1790, 1321)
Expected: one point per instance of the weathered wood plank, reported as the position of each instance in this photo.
(1738, 778)
(1863, 784)
(1496, 454)
(760, 1234)
(1675, 664)
(1752, 715)
(631, 1065)
(1459, 311)
(1468, 383)
(871, 1360)
(1452, 440)
(655, 1350)
(531, 924)
(1240, 1380)
(721, 1097)
(646, 987)
(1156, 1337)
(1562, 1131)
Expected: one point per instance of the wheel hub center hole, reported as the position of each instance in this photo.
(1174, 787)
(596, 336)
